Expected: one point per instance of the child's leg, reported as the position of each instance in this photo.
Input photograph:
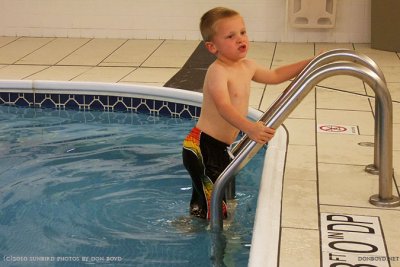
(193, 162)
(198, 156)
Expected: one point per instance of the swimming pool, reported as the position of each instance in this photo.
(123, 98)
(107, 187)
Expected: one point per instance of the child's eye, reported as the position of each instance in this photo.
(243, 32)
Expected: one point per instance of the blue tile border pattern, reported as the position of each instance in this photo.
(85, 97)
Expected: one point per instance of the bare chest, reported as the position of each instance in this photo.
(239, 85)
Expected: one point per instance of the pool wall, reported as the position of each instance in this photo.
(164, 101)
(266, 21)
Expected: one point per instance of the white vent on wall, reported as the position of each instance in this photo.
(312, 13)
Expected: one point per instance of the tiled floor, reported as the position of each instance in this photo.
(324, 172)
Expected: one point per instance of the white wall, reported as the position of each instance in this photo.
(171, 19)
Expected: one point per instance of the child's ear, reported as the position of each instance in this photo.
(211, 47)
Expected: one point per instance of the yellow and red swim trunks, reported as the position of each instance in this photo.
(205, 158)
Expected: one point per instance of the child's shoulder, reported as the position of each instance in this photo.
(220, 71)
(220, 66)
(217, 68)
(249, 63)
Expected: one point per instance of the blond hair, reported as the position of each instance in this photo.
(209, 19)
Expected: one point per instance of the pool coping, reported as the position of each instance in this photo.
(266, 230)
(267, 223)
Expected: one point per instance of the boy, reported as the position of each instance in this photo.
(225, 104)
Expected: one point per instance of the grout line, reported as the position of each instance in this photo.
(16, 39)
(81, 65)
(343, 164)
(359, 207)
(348, 92)
(54, 38)
(152, 53)
(338, 109)
(31, 74)
(56, 64)
(317, 177)
(384, 238)
(282, 192)
(140, 65)
(300, 228)
(266, 85)
(85, 71)
(112, 52)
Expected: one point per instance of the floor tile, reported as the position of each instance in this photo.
(394, 90)
(20, 48)
(272, 93)
(59, 73)
(287, 53)
(300, 204)
(157, 76)
(19, 72)
(345, 83)
(396, 166)
(301, 131)
(324, 47)
(93, 52)
(299, 247)
(363, 119)
(346, 185)
(53, 52)
(305, 108)
(262, 53)
(396, 112)
(301, 163)
(256, 94)
(4, 40)
(335, 242)
(382, 58)
(389, 219)
(391, 73)
(344, 149)
(332, 99)
(172, 53)
(396, 133)
(132, 53)
(104, 74)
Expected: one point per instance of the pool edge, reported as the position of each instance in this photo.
(266, 231)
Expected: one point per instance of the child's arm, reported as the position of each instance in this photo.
(280, 74)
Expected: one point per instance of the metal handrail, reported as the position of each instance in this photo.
(324, 58)
(281, 108)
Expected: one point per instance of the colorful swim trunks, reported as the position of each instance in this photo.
(205, 158)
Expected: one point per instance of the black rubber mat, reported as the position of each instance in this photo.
(191, 76)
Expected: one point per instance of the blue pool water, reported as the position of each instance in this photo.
(101, 188)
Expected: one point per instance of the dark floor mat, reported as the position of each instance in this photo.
(191, 76)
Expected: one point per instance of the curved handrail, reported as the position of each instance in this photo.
(323, 58)
(320, 60)
(289, 100)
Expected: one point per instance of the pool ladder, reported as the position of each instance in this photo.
(325, 65)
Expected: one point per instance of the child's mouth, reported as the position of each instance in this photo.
(242, 48)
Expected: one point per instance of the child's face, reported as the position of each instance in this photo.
(230, 40)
